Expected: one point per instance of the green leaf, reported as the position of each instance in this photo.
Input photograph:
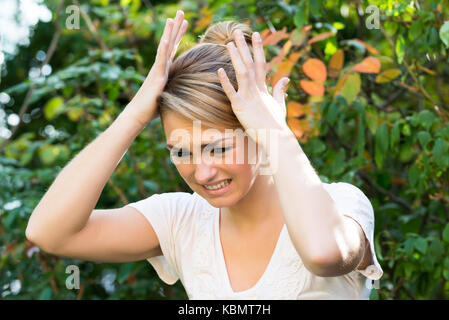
(408, 268)
(351, 87)
(415, 30)
(50, 153)
(395, 135)
(338, 25)
(371, 119)
(444, 33)
(53, 107)
(332, 113)
(400, 48)
(300, 17)
(424, 138)
(75, 113)
(46, 294)
(421, 245)
(381, 146)
(317, 146)
(440, 153)
(413, 175)
(426, 118)
(124, 271)
(446, 235)
(409, 246)
(391, 27)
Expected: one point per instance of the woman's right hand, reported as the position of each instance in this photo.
(144, 104)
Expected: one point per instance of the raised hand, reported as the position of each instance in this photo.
(253, 105)
(143, 105)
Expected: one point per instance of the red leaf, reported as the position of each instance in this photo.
(321, 37)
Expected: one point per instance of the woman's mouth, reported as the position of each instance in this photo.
(218, 188)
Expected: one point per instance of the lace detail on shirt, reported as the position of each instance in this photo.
(203, 280)
(288, 278)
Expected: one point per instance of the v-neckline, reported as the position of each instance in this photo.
(222, 262)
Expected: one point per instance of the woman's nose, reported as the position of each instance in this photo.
(205, 172)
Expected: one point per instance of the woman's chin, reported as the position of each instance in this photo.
(220, 201)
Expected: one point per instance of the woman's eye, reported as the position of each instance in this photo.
(180, 153)
(220, 150)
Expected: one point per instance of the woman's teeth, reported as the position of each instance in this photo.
(219, 185)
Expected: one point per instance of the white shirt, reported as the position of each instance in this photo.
(187, 227)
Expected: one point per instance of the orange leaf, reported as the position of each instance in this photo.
(286, 66)
(321, 37)
(295, 126)
(278, 59)
(312, 87)
(369, 48)
(336, 63)
(205, 20)
(368, 65)
(276, 36)
(294, 56)
(284, 70)
(302, 120)
(294, 109)
(315, 69)
(264, 33)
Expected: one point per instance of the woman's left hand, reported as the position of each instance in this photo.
(254, 106)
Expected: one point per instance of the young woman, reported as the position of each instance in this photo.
(243, 233)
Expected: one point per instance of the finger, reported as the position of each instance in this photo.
(177, 23)
(242, 46)
(179, 37)
(241, 72)
(279, 93)
(259, 62)
(167, 29)
(227, 85)
(245, 55)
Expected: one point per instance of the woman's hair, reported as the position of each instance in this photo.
(193, 89)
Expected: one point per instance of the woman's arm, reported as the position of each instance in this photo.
(66, 207)
(68, 203)
(330, 243)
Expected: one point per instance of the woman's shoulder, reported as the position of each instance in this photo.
(184, 205)
(344, 189)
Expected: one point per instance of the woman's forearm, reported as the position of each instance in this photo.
(318, 231)
(68, 203)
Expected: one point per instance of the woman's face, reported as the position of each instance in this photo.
(206, 157)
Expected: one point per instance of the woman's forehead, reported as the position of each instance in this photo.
(203, 136)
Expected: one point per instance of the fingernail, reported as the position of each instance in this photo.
(257, 36)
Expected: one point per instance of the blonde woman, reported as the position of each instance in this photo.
(243, 233)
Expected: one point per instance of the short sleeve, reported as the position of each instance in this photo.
(351, 201)
(163, 211)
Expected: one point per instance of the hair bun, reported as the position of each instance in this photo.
(222, 33)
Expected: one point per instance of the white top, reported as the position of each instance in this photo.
(187, 227)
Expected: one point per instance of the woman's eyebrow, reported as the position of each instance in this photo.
(211, 144)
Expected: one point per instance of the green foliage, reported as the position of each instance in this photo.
(388, 135)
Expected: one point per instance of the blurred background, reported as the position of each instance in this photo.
(368, 101)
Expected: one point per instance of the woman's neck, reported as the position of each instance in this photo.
(259, 207)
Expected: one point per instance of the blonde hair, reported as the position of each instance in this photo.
(193, 89)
